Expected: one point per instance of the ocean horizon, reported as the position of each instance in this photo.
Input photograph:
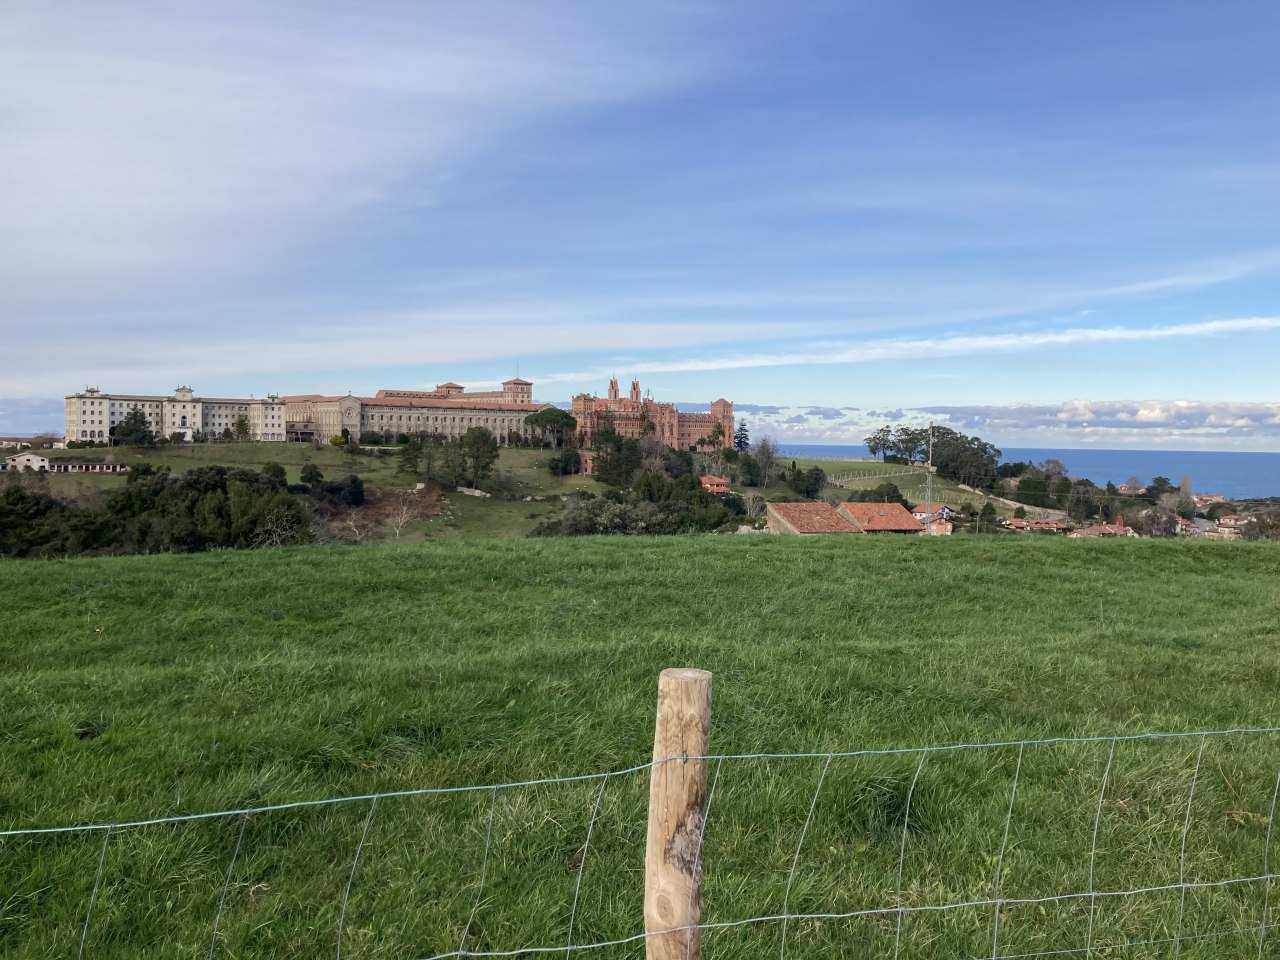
(1232, 474)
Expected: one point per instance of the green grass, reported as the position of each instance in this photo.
(183, 457)
(911, 480)
(151, 686)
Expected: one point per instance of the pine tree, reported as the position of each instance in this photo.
(134, 431)
(741, 439)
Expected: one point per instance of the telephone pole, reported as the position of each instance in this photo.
(928, 477)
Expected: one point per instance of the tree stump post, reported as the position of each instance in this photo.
(677, 803)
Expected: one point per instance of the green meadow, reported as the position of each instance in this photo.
(148, 687)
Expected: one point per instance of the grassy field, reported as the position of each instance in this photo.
(153, 686)
(911, 480)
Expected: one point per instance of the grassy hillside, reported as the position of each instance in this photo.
(151, 686)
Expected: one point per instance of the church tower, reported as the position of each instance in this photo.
(635, 390)
(613, 389)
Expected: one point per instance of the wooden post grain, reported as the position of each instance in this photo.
(677, 802)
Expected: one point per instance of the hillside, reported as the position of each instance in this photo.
(150, 686)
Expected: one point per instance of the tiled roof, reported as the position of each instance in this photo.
(477, 405)
(881, 517)
(812, 517)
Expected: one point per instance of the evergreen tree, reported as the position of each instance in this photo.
(480, 451)
(133, 430)
(741, 439)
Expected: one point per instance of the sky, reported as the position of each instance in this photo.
(1052, 225)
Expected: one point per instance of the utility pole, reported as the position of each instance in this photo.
(928, 477)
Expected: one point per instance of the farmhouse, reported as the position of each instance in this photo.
(936, 518)
(1117, 529)
(806, 518)
(881, 518)
(25, 461)
(31, 461)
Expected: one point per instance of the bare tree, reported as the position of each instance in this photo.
(766, 453)
(277, 529)
(355, 523)
(406, 509)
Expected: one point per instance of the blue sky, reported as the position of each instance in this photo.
(1051, 225)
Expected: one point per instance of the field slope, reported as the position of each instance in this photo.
(152, 686)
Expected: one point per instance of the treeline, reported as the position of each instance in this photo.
(465, 460)
(158, 511)
(956, 456)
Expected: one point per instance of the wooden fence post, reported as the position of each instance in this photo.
(677, 802)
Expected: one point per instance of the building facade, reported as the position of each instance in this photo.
(91, 414)
(635, 416)
(448, 411)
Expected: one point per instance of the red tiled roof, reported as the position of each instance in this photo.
(450, 404)
(882, 517)
(526, 383)
(812, 518)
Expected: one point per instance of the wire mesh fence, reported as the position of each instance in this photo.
(1149, 845)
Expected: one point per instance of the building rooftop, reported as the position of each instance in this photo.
(813, 518)
(881, 517)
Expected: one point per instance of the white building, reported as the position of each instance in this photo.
(92, 413)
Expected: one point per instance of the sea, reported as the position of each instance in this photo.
(1233, 475)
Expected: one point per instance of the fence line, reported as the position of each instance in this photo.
(636, 768)
(689, 859)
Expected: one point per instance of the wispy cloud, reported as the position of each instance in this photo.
(150, 147)
(876, 351)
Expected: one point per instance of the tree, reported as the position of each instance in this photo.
(405, 510)
(986, 519)
(909, 443)
(741, 438)
(410, 456)
(714, 438)
(133, 430)
(240, 428)
(766, 453)
(554, 425)
(276, 473)
(807, 483)
(311, 474)
(879, 442)
(480, 450)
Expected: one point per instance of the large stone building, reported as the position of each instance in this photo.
(634, 416)
(448, 410)
(91, 414)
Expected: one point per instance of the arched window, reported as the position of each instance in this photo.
(99, 434)
(184, 421)
(83, 434)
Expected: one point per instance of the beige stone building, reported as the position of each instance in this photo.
(91, 414)
(448, 411)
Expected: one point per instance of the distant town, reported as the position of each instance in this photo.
(919, 481)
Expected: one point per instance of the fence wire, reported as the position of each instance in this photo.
(1000, 894)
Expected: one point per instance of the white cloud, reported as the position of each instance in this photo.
(875, 351)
